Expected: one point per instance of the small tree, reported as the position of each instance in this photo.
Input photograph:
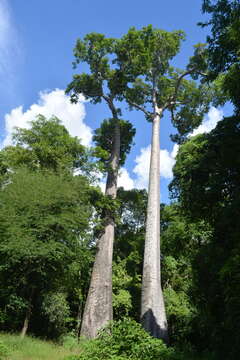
(45, 145)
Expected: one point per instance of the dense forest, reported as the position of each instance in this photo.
(77, 262)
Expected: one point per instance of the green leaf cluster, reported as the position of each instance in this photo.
(146, 57)
(103, 138)
(45, 145)
(224, 45)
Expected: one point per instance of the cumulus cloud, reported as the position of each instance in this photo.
(125, 180)
(209, 123)
(141, 170)
(167, 160)
(51, 103)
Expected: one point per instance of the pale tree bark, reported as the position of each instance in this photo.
(153, 315)
(98, 309)
(26, 323)
(27, 317)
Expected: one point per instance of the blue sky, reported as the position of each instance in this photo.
(36, 43)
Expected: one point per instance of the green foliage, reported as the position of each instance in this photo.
(95, 50)
(104, 140)
(128, 247)
(56, 308)
(44, 219)
(207, 184)
(120, 281)
(46, 145)
(154, 48)
(224, 45)
(125, 340)
(145, 55)
(207, 164)
(177, 303)
(181, 239)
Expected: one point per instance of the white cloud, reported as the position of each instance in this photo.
(167, 160)
(209, 123)
(51, 103)
(142, 168)
(125, 180)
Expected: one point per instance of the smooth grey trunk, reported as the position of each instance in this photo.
(153, 315)
(98, 309)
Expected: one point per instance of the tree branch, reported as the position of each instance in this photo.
(172, 100)
(139, 107)
(178, 83)
(109, 101)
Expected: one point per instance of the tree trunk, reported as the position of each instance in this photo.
(98, 309)
(153, 316)
(79, 319)
(27, 317)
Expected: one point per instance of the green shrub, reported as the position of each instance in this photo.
(123, 340)
(56, 308)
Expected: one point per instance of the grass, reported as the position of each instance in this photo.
(12, 347)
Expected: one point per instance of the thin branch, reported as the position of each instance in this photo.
(141, 108)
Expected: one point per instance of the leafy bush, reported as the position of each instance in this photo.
(56, 308)
(123, 340)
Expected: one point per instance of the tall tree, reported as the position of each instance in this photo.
(104, 83)
(154, 87)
